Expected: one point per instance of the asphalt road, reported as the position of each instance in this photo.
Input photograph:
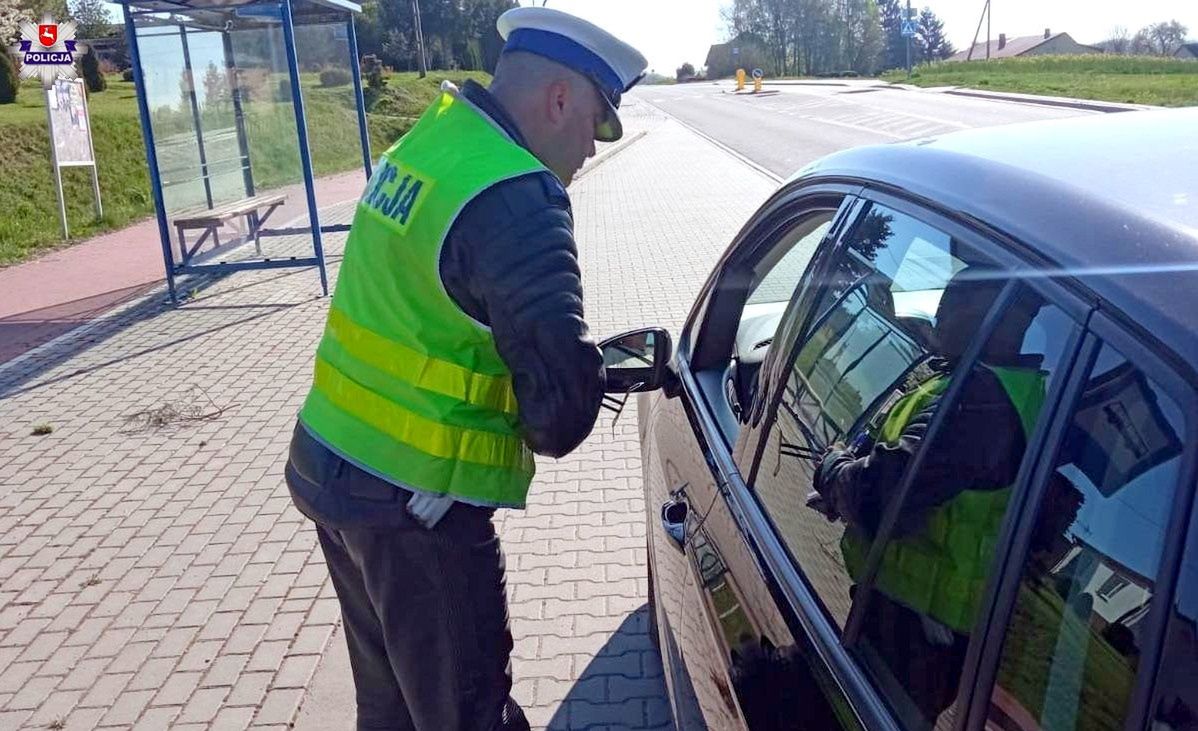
(788, 126)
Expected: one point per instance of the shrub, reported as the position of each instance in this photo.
(10, 82)
(335, 77)
(372, 67)
(92, 76)
(127, 75)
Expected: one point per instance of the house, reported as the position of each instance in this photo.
(1043, 45)
(742, 52)
(1188, 51)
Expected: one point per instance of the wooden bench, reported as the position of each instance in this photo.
(209, 220)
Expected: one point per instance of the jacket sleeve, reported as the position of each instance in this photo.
(510, 262)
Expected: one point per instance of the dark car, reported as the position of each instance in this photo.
(925, 453)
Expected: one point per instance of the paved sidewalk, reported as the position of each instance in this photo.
(153, 573)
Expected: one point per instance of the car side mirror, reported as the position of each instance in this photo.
(637, 361)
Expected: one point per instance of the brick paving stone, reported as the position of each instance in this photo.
(126, 708)
(106, 687)
(177, 689)
(232, 719)
(250, 689)
(157, 719)
(279, 707)
(204, 705)
(58, 705)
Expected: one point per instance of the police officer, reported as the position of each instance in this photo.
(455, 349)
(935, 565)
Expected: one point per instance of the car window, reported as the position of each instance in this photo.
(918, 614)
(778, 274)
(1177, 685)
(1071, 651)
(774, 280)
(843, 378)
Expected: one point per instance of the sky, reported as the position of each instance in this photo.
(669, 32)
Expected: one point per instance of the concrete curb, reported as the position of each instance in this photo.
(1049, 101)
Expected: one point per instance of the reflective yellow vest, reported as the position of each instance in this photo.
(408, 386)
(942, 570)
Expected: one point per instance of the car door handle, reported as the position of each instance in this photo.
(673, 519)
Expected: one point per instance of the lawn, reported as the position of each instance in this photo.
(28, 204)
(1132, 79)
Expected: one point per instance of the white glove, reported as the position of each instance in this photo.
(428, 509)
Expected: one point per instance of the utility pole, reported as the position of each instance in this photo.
(419, 38)
(986, 17)
(908, 41)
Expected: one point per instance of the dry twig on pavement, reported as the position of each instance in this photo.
(196, 406)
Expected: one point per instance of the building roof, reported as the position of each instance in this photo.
(1109, 200)
(1014, 47)
(1191, 47)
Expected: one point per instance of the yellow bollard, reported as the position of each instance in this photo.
(740, 79)
(758, 75)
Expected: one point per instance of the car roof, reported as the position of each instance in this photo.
(1110, 200)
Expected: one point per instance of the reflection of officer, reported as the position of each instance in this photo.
(455, 348)
(934, 568)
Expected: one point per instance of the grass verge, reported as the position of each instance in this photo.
(1130, 79)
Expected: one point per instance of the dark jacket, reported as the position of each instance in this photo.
(979, 448)
(510, 262)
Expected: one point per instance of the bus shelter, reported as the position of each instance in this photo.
(243, 104)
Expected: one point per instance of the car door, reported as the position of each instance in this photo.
(851, 343)
(723, 639)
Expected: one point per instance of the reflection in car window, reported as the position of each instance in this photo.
(1071, 652)
(856, 356)
(920, 610)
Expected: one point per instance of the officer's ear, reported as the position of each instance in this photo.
(558, 100)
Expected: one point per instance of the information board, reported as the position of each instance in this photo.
(70, 129)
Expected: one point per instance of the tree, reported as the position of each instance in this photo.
(92, 17)
(11, 15)
(1166, 37)
(10, 81)
(1119, 43)
(930, 40)
(685, 72)
(89, 65)
(891, 15)
(216, 87)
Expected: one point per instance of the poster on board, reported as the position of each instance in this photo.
(70, 129)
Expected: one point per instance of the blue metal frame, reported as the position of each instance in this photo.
(301, 128)
(356, 72)
(286, 17)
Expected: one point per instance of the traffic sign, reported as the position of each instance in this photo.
(736, 50)
(758, 74)
(908, 28)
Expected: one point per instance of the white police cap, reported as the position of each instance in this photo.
(611, 64)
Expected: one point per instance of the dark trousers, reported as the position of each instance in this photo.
(424, 610)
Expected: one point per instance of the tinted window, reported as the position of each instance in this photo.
(932, 575)
(1072, 649)
(861, 351)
